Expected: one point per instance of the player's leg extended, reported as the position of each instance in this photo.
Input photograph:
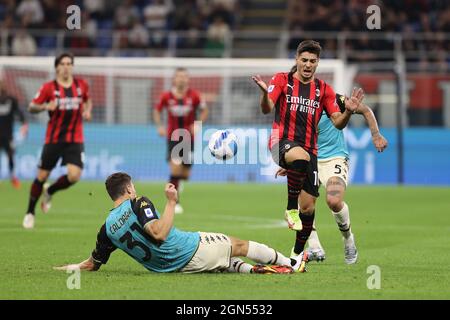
(10, 151)
(65, 181)
(35, 193)
(297, 160)
(36, 189)
(335, 189)
(307, 204)
(260, 253)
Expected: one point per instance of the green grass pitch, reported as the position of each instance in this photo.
(402, 230)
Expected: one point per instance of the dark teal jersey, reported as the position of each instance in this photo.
(124, 229)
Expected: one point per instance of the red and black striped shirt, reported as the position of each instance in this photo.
(181, 113)
(66, 122)
(298, 108)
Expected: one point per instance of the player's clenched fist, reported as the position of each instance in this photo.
(171, 192)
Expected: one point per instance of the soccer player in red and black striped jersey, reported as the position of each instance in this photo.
(182, 104)
(68, 103)
(8, 109)
(299, 98)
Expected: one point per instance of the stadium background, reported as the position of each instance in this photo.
(413, 40)
(402, 229)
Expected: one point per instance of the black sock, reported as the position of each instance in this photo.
(303, 235)
(295, 183)
(296, 175)
(60, 184)
(35, 193)
(11, 164)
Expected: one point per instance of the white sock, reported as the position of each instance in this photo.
(239, 265)
(261, 253)
(343, 221)
(313, 241)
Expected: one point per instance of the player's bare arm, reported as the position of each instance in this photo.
(339, 119)
(378, 140)
(158, 123)
(87, 110)
(159, 229)
(36, 108)
(265, 102)
(86, 265)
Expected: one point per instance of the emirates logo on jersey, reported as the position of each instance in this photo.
(69, 103)
(180, 110)
(302, 104)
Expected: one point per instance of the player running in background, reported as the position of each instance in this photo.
(8, 109)
(182, 104)
(136, 227)
(333, 168)
(68, 103)
(299, 99)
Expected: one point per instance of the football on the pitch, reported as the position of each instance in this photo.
(223, 144)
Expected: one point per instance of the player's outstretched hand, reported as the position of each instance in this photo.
(259, 81)
(70, 267)
(355, 100)
(379, 142)
(171, 192)
(87, 264)
(281, 173)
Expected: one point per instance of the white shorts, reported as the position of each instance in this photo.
(213, 254)
(335, 167)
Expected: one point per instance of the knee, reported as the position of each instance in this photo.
(42, 176)
(240, 247)
(74, 176)
(334, 203)
(307, 208)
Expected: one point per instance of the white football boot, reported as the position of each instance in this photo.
(28, 221)
(350, 251)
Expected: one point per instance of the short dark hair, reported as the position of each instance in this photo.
(116, 184)
(62, 56)
(309, 46)
(181, 69)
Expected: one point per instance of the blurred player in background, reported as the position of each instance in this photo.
(136, 227)
(8, 109)
(299, 99)
(68, 103)
(182, 104)
(333, 168)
